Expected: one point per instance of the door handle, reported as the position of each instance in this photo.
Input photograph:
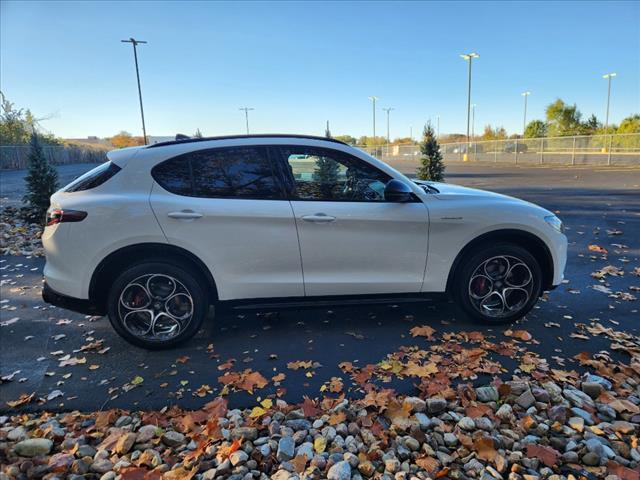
(185, 215)
(319, 218)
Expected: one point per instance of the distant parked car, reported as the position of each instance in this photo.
(472, 148)
(160, 233)
(514, 147)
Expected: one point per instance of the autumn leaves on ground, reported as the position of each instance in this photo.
(545, 422)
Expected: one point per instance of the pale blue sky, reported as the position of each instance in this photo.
(302, 63)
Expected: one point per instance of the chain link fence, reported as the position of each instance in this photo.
(595, 150)
(16, 157)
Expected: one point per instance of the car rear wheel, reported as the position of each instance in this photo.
(498, 284)
(157, 305)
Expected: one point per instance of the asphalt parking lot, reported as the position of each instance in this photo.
(599, 207)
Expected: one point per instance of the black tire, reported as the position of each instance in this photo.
(470, 296)
(187, 297)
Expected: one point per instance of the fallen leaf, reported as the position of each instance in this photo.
(23, 400)
(597, 248)
(423, 331)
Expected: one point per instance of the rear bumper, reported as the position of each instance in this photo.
(70, 303)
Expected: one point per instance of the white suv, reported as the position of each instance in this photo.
(158, 234)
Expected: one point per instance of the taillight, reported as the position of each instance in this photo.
(59, 215)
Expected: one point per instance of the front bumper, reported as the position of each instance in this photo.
(70, 303)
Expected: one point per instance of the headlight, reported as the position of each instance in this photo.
(555, 223)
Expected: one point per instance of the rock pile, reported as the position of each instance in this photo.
(521, 429)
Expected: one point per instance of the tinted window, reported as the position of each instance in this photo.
(242, 172)
(175, 176)
(330, 175)
(93, 178)
(238, 172)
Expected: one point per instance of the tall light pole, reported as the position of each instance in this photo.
(373, 99)
(473, 121)
(388, 110)
(524, 121)
(438, 127)
(469, 58)
(135, 43)
(608, 76)
(246, 116)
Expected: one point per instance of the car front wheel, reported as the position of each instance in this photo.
(156, 305)
(498, 284)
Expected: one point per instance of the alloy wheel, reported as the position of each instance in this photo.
(501, 286)
(155, 307)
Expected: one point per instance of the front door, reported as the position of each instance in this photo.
(352, 241)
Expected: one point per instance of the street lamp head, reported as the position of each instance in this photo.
(469, 56)
(525, 94)
(610, 75)
(373, 98)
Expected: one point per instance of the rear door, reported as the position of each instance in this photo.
(226, 206)
(352, 241)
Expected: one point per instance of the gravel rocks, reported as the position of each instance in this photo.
(173, 439)
(33, 447)
(340, 471)
(286, 449)
(436, 405)
(487, 394)
(527, 434)
(526, 399)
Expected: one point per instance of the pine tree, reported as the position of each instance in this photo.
(41, 180)
(432, 166)
(326, 174)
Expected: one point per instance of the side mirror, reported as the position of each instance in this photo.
(397, 191)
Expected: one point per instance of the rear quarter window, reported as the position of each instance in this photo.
(93, 178)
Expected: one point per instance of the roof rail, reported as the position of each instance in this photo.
(180, 139)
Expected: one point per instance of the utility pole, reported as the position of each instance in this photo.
(411, 133)
(608, 76)
(524, 122)
(438, 128)
(469, 58)
(135, 43)
(373, 99)
(246, 116)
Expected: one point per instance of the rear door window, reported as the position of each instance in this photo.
(234, 172)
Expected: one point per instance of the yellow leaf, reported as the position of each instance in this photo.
(308, 374)
(319, 444)
(323, 388)
(137, 380)
(266, 403)
(257, 412)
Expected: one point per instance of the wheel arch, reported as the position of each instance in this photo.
(114, 263)
(534, 244)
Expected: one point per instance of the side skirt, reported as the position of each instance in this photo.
(326, 301)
